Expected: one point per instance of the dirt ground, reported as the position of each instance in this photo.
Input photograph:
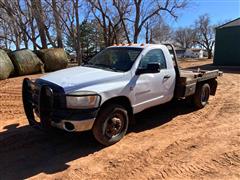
(171, 141)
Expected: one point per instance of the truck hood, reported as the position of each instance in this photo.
(76, 78)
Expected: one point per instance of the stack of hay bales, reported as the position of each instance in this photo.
(6, 66)
(53, 59)
(26, 62)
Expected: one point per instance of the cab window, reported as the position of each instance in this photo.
(153, 56)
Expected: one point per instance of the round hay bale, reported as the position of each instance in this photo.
(6, 66)
(53, 59)
(26, 62)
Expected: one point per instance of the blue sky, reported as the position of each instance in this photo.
(219, 11)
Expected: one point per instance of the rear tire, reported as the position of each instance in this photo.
(201, 96)
(111, 124)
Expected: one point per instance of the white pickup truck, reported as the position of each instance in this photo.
(103, 94)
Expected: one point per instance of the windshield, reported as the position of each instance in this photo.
(115, 59)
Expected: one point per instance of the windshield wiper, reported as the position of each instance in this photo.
(87, 63)
(102, 66)
(108, 67)
(90, 65)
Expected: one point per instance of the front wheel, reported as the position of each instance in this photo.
(201, 96)
(111, 125)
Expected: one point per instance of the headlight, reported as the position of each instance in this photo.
(79, 100)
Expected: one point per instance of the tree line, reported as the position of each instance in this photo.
(87, 26)
(201, 34)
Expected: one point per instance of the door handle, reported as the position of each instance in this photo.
(166, 77)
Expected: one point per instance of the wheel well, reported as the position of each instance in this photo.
(213, 85)
(121, 100)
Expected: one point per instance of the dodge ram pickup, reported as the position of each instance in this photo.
(104, 93)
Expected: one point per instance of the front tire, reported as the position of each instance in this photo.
(201, 96)
(111, 124)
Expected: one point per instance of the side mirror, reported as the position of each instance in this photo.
(151, 68)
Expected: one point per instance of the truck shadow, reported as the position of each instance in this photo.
(159, 115)
(26, 152)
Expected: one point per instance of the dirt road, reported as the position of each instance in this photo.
(168, 142)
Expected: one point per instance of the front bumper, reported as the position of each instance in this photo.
(44, 102)
(76, 126)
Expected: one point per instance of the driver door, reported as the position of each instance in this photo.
(150, 88)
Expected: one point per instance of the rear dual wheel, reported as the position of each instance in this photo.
(111, 124)
(201, 96)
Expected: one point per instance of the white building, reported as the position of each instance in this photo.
(180, 52)
(194, 53)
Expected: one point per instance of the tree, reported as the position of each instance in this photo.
(56, 23)
(185, 37)
(145, 10)
(39, 15)
(90, 37)
(9, 17)
(78, 43)
(56, 13)
(5, 35)
(110, 19)
(118, 16)
(158, 31)
(31, 20)
(123, 9)
(205, 34)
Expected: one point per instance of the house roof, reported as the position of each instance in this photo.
(194, 49)
(235, 22)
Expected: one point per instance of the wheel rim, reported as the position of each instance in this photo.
(114, 125)
(205, 95)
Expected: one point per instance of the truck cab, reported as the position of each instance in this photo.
(103, 94)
